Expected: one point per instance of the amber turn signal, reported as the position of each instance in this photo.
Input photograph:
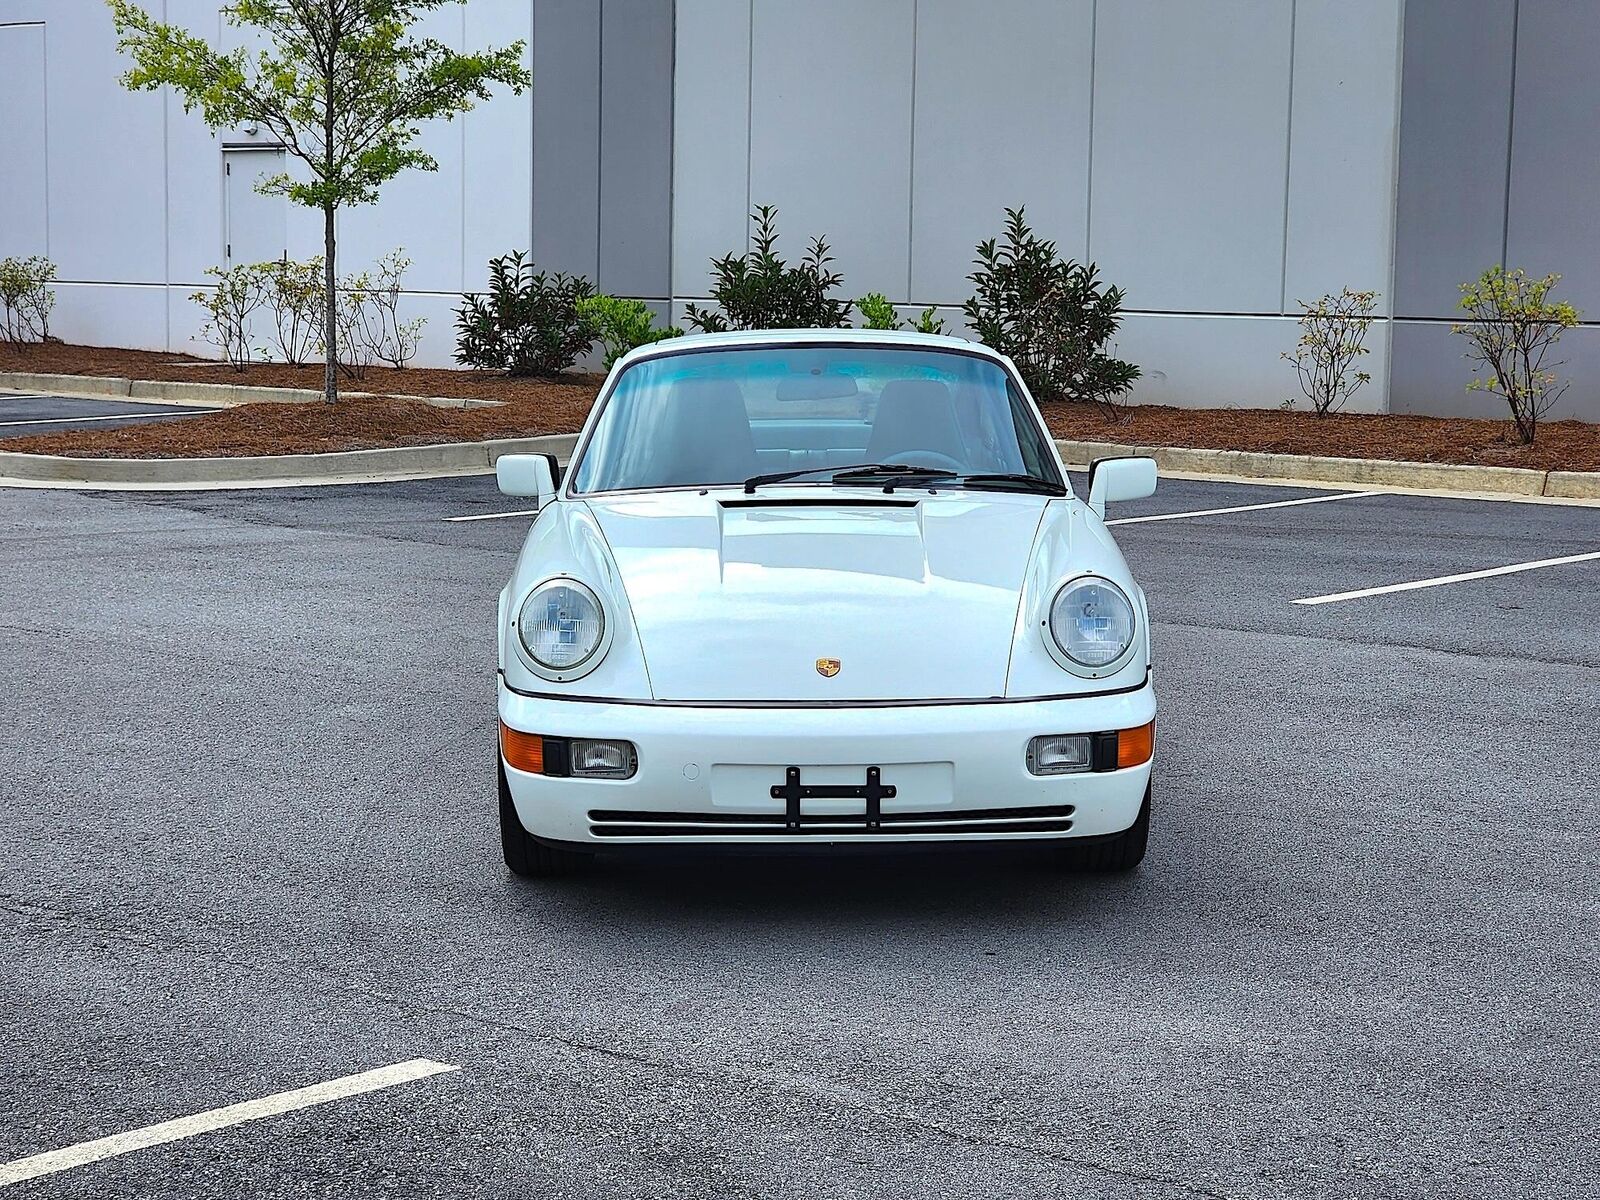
(1135, 747)
(522, 751)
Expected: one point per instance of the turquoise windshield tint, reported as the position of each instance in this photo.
(718, 417)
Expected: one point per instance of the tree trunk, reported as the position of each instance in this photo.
(330, 318)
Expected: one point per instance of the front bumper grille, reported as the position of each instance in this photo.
(1055, 818)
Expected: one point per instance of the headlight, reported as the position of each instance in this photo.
(561, 625)
(1091, 620)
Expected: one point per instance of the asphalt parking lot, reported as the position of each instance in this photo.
(22, 415)
(247, 846)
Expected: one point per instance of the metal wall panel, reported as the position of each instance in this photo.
(1191, 129)
(1431, 373)
(566, 135)
(497, 141)
(1342, 149)
(420, 212)
(1455, 118)
(107, 146)
(1554, 222)
(711, 139)
(636, 147)
(24, 213)
(1194, 361)
(1002, 119)
(830, 131)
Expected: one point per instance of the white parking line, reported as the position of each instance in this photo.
(521, 512)
(218, 1118)
(1443, 579)
(1214, 512)
(188, 412)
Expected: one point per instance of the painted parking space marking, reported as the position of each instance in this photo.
(141, 416)
(495, 516)
(1440, 580)
(53, 1161)
(1216, 512)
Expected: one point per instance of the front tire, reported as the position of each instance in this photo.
(1118, 852)
(525, 855)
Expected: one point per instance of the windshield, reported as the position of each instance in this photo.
(720, 417)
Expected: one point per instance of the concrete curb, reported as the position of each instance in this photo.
(1420, 476)
(98, 387)
(207, 395)
(284, 470)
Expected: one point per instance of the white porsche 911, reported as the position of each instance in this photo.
(821, 588)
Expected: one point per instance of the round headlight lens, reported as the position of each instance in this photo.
(561, 624)
(1092, 621)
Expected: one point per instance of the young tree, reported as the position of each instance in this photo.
(341, 84)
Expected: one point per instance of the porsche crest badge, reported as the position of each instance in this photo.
(827, 667)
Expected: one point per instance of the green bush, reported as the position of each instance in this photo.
(622, 325)
(1512, 327)
(759, 290)
(878, 313)
(26, 299)
(229, 303)
(527, 324)
(1333, 332)
(1050, 315)
(370, 328)
(293, 295)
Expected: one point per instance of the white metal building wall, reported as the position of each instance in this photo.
(1218, 159)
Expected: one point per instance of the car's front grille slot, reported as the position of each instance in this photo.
(1055, 818)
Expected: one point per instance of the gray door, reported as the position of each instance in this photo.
(255, 227)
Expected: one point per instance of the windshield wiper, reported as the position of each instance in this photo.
(861, 470)
(1007, 483)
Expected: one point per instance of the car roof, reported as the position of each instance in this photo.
(752, 338)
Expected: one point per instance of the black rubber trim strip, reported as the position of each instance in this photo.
(645, 817)
(831, 829)
(823, 704)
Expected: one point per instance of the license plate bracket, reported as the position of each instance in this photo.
(792, 791)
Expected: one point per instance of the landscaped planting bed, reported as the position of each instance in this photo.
(539, 406)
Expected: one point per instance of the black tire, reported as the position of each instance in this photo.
(1118, 852)
(525, 855)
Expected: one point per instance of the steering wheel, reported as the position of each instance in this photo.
(926, 458)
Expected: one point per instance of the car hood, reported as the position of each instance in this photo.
(744, 598)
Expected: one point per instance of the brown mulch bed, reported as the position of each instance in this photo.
(1560, 446)
(537, 406)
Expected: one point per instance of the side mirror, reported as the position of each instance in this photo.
(1120, 479)
(532, 475)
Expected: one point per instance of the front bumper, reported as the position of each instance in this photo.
(706, 774)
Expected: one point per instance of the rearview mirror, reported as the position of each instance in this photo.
(1120, 479)
(527, 475)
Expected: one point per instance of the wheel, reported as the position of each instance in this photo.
(1118, 852)
(525, 855)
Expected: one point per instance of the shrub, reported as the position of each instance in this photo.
(876, 312)
(351, 314)
(1512, 327)
(238, 292)
(371, 301)
(1051, 316)
(1332, 332)
(622, 325)
(879, 313)
(26, 299)
(527, 324)
(294, 297)
(758, 290)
